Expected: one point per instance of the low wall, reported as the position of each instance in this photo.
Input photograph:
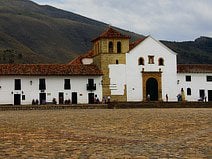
(112, 105)
(51, 106)
(160, 105)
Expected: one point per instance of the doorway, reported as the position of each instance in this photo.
(90, 98)
(42, 98)
(152, 82)
(152, 89)
(202, 94)
(17, 99)
(209, 95)
(61, 97)
(74, 97)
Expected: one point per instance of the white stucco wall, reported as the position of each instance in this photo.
(87, 61)
(54, 85)
(151, 47)
(198, 82)
(117, 75)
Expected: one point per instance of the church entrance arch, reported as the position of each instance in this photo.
(152, 85)
(152, 89)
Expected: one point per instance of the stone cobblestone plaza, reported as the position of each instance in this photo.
(106, 133)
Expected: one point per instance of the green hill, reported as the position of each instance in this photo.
(193, 52)
(32, 33)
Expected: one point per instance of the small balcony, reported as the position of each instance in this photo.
(91, 87)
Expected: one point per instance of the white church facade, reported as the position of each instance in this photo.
(131, 72)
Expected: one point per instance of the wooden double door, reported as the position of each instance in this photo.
(17, 99)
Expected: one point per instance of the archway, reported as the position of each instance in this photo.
(152, 89)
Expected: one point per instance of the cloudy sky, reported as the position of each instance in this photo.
(176, 20)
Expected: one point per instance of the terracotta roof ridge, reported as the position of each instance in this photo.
(75, 60)
(111, 33)
(49, 69)
(194, 68)
(78, 59)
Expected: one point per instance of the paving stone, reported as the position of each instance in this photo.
(106, 134)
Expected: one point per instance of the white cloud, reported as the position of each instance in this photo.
(164, 19)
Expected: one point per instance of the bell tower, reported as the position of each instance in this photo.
(109, 48)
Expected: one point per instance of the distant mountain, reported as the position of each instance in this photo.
(32, 33)
(193, 52)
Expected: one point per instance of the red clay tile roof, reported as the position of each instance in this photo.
(111, 33)
(49, 69)
(78, 60)
(194, 68)
(135, 43)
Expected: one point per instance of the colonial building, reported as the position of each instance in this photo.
(196, 80)
(139, 71)
(21, 84)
